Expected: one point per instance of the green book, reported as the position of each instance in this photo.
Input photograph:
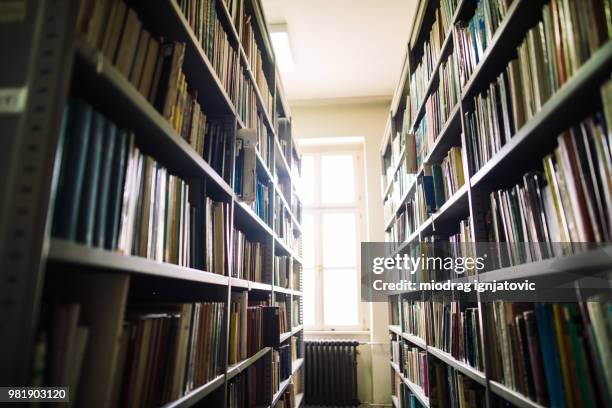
(75, 143)
(89, 194)
(574, 326)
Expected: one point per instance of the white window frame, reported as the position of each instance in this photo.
(317, 208)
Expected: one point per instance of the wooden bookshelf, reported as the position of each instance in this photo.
(69, 66)
(573, 101)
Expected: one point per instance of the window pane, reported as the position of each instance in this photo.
(309, 297)
(308, 179)
(340, 297)
(339, 239)
(308, 240)
(338, 183)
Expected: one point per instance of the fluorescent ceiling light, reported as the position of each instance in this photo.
(282, 47)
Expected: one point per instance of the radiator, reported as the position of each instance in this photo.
(331, 373)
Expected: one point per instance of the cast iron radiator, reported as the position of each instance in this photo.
(331, 373)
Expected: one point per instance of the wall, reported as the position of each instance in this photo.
(362, 117)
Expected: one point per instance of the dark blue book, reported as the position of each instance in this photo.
(550, 354)
(430, 196)
(115, 197)
(106, 167)
(75, 143)
(89, 194)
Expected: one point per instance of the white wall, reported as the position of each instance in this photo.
(363, 118)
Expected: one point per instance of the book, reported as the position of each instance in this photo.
(72, 155)
(89, 194)
(414, 366)
(108, 162)
(453, 389)
(248, 258)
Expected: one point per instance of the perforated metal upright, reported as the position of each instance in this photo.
(36, 55)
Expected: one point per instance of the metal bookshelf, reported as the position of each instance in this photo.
(527, 146)
(45, 60)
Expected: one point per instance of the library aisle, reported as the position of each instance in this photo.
(288, 204)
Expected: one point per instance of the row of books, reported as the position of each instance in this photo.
(254, 57)
(214, 258)
(431, 53)
(253, 386)
(155, 68)
(450, 388)
(296, 347)
(393, 156)
(247, 185)
(549, 55)
(177, 102)
(265, 147)
(414, 366)
(283, 223)
(283, 133)
(148, 228)
(202, 16)
(402, 181)
(295, 202)
(421, 142)
(248, 258)
(437, 184)
(553, 51)
(474, 37)
(150, 64)
(395, 346)
(554, 354)
(238, 345)
(169, 351)
(414, 318)
(296, 319)
(442, 100)
(569, 202)
(218, 148)
(281, 363)
(283, 314)
(447, 177)
(110, 195)
(404, 226)
(455, 330)
(283, 271)
(464, 236)
(253, 325)
(160, 353)
(243, 23)
(261, 205)
(405, 396)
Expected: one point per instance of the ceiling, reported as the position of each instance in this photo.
(343, 48)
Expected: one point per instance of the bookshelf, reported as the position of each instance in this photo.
(67, 66)
(467, 210)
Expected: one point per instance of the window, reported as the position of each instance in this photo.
(332, 190)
